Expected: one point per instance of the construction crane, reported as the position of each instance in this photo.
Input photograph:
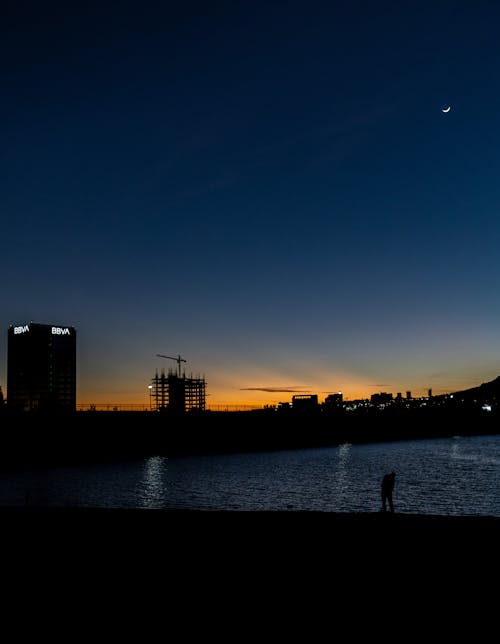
(178, 360)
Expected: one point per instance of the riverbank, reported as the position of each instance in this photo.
(242, 522)
(83, 513)
(265, 550)
(85, 437)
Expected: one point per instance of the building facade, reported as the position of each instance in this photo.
(41, 367)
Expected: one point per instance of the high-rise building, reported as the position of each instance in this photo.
(41, 368)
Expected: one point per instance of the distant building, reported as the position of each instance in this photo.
(177, 393)
(41, 367)
(305, 402)
(408, 395)
(381, 399)
(333, 401)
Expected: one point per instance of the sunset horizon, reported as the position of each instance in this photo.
(288, 195)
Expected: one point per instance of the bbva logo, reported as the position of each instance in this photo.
(21, 329)
(56, 330)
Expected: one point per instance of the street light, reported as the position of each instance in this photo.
(150, 387)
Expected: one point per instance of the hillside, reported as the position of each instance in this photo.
(486, 391)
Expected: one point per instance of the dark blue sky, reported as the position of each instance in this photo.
(270, 189)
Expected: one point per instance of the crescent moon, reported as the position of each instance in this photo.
(446, 110)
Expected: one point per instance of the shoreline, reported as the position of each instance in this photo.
(186, 514)
(85, 439)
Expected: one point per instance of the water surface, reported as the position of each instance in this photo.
(452, 476)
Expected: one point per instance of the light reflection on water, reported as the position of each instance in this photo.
(151, 491)
(460, 475)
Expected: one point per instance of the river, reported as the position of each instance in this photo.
(450, 476)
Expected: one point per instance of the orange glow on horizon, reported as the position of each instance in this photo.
(222, 398)
(254, 386)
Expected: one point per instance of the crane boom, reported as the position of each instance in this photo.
(178, 360)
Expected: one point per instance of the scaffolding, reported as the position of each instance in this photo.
(178, 393)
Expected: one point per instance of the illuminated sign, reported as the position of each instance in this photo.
(21, 329)
(57, 330)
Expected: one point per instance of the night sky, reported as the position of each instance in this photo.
(269, 189)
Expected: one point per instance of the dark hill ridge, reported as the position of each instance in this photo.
(486, 391)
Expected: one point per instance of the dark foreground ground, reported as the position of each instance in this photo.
(238, 572)
(244, 533)
(80, 516)
(51, 517)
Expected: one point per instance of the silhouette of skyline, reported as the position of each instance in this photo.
(270, 190)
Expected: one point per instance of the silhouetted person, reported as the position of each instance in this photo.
(387, 489)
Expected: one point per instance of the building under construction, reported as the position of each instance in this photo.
(177, 393)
